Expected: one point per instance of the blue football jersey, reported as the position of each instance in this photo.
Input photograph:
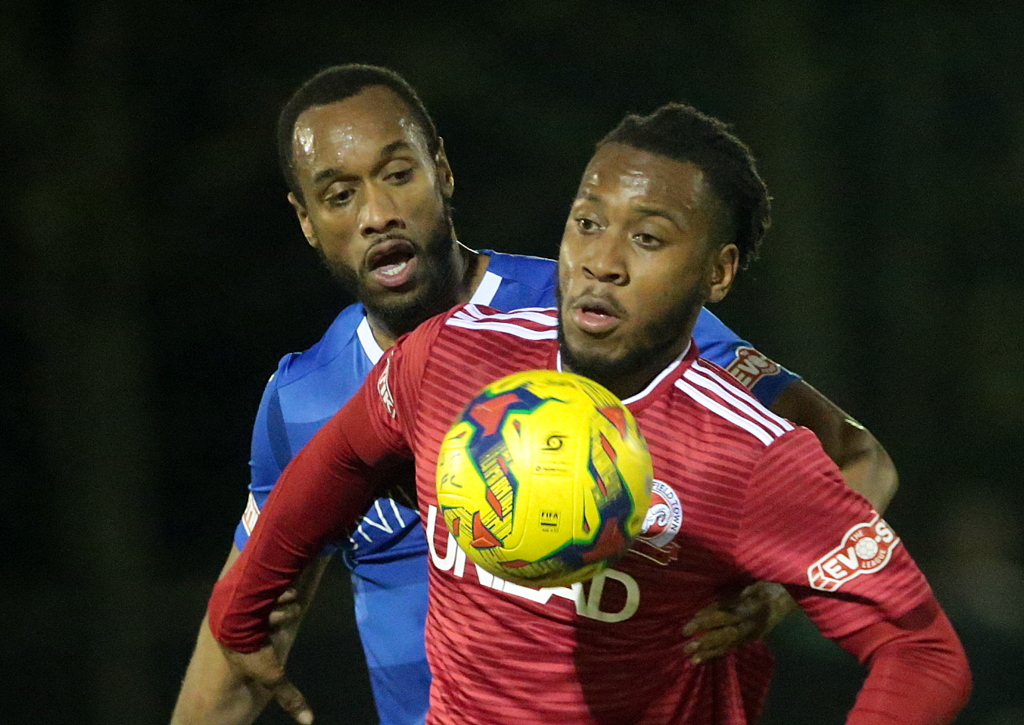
(387, 551)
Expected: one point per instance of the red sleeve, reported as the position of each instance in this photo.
(322, 492)
(804, 528)
(918, 672)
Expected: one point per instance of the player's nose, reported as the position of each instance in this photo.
(603, 259)
(379, 213)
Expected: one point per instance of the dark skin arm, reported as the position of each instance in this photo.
(757, 610)
(865, 465)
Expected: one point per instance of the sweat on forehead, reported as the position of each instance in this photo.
(364, 126)
(337, 84)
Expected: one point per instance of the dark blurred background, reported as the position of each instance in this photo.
(152, 273)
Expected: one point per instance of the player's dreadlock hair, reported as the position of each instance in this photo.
(683, 133)
(336, 84)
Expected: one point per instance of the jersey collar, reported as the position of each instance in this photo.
(373, 351)
(486, 290)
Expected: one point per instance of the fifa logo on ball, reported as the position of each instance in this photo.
(548, 521)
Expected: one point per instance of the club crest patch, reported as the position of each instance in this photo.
(750, 366)
(663, 521)
(866, 549)
(664, 517)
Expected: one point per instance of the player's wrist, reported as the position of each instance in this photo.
(781, 604)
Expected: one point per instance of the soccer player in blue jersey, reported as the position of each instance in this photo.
(371, 187)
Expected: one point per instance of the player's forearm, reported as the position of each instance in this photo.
(917, 670)
(212, 693)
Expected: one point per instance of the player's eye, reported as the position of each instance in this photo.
(647, 241)
(585, 225)
(400, 177)
(397, 171)
(341, 198)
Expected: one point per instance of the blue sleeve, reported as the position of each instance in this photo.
(761, 375)
(270, 453)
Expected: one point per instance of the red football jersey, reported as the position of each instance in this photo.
(740, 495)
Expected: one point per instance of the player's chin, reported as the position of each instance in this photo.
(400, 307)
(389, 295)
(604, 343)
(593, 357)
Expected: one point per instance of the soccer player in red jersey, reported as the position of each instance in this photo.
(339, 137)
(669, 208)
(362, 156)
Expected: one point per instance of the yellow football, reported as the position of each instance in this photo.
(544, 479)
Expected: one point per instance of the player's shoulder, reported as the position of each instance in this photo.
(709, 324)
(726, 410)
(530, 323)
(476, 330)
(535, 271)
(339, 336)
(516, 280)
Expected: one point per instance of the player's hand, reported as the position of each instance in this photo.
(740, 619)
(286, 611)
(263, 669)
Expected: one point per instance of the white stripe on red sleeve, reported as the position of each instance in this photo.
(748, 405)
(727, 413)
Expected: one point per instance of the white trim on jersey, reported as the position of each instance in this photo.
(549, 318)
(744, 402)
(540, 315)
(651, 385)
(487, 288)
(659, 377)
(471, 318)
(730, 414)
(367, 340)
(506, 327)
(251, 514)
(382, 523)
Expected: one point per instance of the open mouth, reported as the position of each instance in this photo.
(391, 262)
(596, 315)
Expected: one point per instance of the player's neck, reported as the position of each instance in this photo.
(627, 382)
(475, 266)
(624, 386)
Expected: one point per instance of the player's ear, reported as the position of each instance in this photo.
(303, 216)
(444, 171)
(722, 271)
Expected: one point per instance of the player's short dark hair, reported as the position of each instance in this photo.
(683, 133)
(337, 83)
